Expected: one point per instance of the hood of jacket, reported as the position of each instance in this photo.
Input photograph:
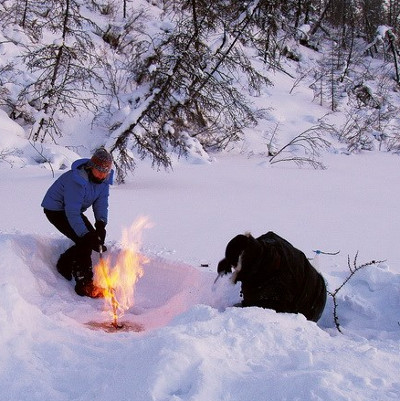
(77, 164)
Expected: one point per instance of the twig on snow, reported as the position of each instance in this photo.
(353, 270)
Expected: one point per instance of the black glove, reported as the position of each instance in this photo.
(92, 240)
(101, 230)
(224, 267)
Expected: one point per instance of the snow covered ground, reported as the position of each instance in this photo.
(194, 345)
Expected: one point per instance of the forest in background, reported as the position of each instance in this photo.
(169, 76)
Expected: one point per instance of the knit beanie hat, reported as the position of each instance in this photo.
(101, 160)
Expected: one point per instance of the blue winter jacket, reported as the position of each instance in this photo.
(74, 193)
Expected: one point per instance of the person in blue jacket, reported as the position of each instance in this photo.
(85, 185)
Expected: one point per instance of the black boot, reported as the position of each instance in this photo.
(84, 285)
(66, 263)
(83, 273)
(88, 289)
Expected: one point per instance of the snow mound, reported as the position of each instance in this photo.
(369, 303)
(194, 346)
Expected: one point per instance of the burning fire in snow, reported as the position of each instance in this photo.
(119, 280)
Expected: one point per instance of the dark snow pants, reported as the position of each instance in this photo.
(77, 259)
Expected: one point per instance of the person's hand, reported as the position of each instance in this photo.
(101, 230)
(224, 267)
(92, 240)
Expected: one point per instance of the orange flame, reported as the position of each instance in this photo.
(119, 281)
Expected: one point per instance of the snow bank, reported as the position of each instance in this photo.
(194, 346)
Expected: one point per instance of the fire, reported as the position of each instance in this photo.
(118, 280)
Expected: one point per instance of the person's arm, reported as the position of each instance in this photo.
(74, 193)
(100, 205)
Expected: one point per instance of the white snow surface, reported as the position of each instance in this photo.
(195, 345)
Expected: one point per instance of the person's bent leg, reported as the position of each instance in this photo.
(84, 274)
(67, 264)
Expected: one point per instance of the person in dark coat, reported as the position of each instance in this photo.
(274, 275)
(85, 185)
